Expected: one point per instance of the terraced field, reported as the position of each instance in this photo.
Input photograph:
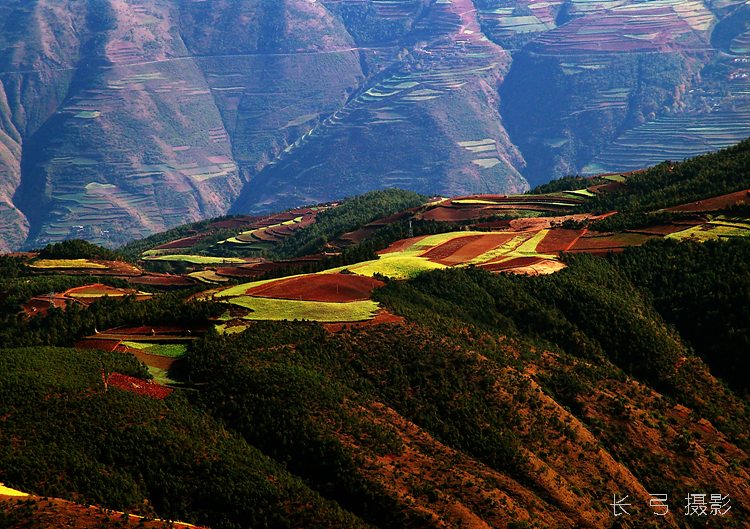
(85, 267)
(407, 101)
(327, 298)
(160, 348)
(718, 228)
(172, 121)
(486, 206)
(686, 101)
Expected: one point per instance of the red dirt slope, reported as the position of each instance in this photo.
(319, 287)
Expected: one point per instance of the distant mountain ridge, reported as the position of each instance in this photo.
(122, 118)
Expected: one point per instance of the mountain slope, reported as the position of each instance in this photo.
(122, 118)
(448, 380)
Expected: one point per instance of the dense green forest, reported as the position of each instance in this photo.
(703, 290)
(63, 435)
(353, 213)
(670, 184)
(78, 249)
(598, 310)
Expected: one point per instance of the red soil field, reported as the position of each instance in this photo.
(481, 246)
(113, 268)
(112, 345)
(715, 203)
(161, 362)
(558, 240)
(441, 252)
(234, 224)
(464, 212)
(516, 262)
(162, 280)
(382, 317)
(40, 305)
(465, 249)
(154, 330)
(448, 214)
(99, 290)
(265, 236)
(138, 386)
(118, 268)
(100, 345)
(402, 244)
(595, 243)
(254, 270)
(239, 272)
(494, 225)
(187, 242)
(663, 230)
(355, 237)
(604, 188)
(319, 287)
(491, 197)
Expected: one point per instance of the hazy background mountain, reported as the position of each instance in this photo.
(120, 118)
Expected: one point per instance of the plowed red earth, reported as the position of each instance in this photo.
(319, 287)
(40, 305)
(187, 242)
(663, 230)
(100, 345)
(138, 386)
(403, 244)
(238, 272)
(715, 203)
(447, 249)
(558, 240)
(87, 292)
(113, 268)
(382, 317)
(464, 249)
(592, 243)
(516, 262)
(605, 188)
(444, 214)
(163, 280)
(156, 330)
(233, 224)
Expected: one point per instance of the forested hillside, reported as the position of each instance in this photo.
(122, 118)
(392, 360)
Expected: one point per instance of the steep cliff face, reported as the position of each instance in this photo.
(38, 52)
(427, 119)
(574, 89)
(136, 144)
(124, 118)
(119, 118)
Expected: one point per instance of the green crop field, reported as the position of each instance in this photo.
(395, 266)
(66, 263)
(171, 350)
(712, 231)
(208, 276)
(284, 309)
(161, 376)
